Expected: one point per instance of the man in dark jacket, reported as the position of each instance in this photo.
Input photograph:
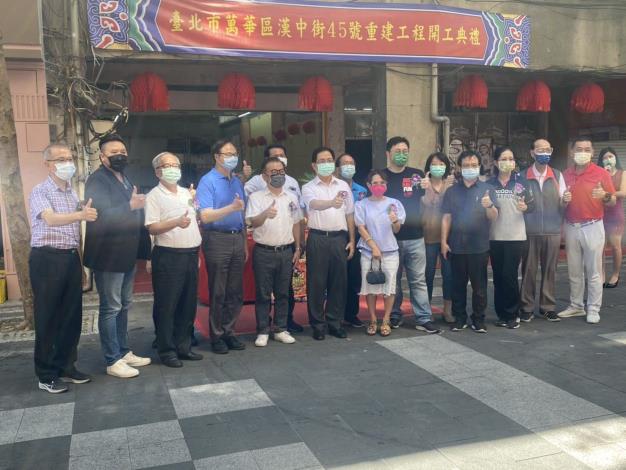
(111, 250)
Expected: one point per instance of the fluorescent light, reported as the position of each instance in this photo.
(244, 114)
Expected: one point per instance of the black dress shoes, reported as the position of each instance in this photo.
(172, 361)
(191, 356)
(293, 327)
(233, 343)
(338, 333)
(318, 335)
(219, 347)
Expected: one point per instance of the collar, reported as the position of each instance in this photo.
(51, 184)
(219, 174)
(533, 174)
(357, 187)
(333, 180)
(167, 191)
(267, 192)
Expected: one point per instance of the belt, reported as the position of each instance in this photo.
(583, 224)
(274, 248)
(50, 249)
(177, 250)
(325, 233)
(226, 231)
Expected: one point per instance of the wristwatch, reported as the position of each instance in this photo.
(607, 197)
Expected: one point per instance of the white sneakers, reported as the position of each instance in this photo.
(571, 312)
(125, 367)
(593, 317)
(282, 337)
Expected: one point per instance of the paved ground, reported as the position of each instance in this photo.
(544, 396)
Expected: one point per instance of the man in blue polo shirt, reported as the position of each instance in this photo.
(221, 198)
(468, 210)
(346, 168)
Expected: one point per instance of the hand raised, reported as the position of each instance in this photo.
(184, 220)
(88, 213)
(598, 192)
(247, 170)
(567, 195)
(271, 211)
(237, 204)
(338, 201)
(137, 201)
(425, 181)
(486, 200)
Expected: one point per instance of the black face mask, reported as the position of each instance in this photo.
(277, 181)
(118, 162)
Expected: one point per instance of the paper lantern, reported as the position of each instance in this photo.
(148, 92)
(251, 142)
(261, 141)
(293, 129)
(236, 91)
(280, 135)
(308, 127)
(588, 98)
(534, 96)
(471, 92)
(316, 94)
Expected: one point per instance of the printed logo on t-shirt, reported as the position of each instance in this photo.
(407, 187)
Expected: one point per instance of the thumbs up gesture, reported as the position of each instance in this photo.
(521, 204)
(486, 200)
(247, 170)
(567, 195)
(271, 211)
(137, 201)
(598, 192)
(338, 201)
(184, 220)
(450, 180)
(192, 191)
(425, 181)
(237, 204)
(88, 213)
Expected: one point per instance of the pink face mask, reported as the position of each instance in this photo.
(378, 189)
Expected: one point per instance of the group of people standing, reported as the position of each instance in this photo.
(358, 241)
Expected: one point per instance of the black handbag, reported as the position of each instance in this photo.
(376, 277)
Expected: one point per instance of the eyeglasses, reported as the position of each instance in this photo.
(544, 150)
(277, 172)
(61, 160)
(169, 165)
(228, 155)
(470, 166)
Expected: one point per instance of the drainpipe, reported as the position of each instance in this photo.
(434, 109)
(76, 122)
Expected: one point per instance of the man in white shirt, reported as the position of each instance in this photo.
(330, 208)
(258, 183)
(275, 215)
(171, 220)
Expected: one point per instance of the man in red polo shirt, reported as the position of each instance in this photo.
(589, 189)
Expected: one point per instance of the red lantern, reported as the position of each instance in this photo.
(148, 92)
(588, 98)
(471, 92)
(261, 141)
(534, 96)
(280, 135)
(293, 129)
(316, 94)
(236, 91)
(251, 142)
(308, 127)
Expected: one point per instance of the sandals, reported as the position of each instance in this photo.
(385, 328)
(372, 328)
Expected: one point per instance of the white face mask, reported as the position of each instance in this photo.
(582, 158)
(284, 160)
(65, 171)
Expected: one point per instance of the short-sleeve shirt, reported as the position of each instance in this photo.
(583, 207)
(331, 219)
(469, 231)
(358, 192)
(405, 187)
(257, 183)
(162, 205)
(48, 195)
(510, 224)
(375, 216)
(279, 230)
(216, 191)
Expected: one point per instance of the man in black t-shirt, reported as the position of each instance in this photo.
(407, 185)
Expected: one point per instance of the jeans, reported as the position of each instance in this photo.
(433, 252)
(413, 260)
(116, 294)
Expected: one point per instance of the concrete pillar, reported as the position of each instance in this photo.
(335, 137)
(408, 109)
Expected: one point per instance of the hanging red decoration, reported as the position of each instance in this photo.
(316, 94)
(588, 98)
(280, 135)
(261, 141)
(471, 92)
(534, 96)
(293, 129)
(148, 92)
(236, 91)
(308, 127)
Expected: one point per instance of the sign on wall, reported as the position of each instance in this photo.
(312, 30)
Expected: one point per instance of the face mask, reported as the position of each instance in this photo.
(230, 163)
(437, 170)
(65, 171)
(378, 189)
(400, 158)
(277, 181)
(118, 162)
(325, 169)
(284, 160)
(170, 175)
(470, 174)
(582, 158)
(506, 166)
(543, 158)
(347, 171)
(609, 162)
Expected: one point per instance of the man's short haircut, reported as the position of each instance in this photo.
(47, 152)
(267, 161)
(219, 145)
(467, 154)
(582, 138)
(397, 140)
(534, 142)
(319, 150)
(266, 152)
(156, 161)
(343, 155)
(110, 138)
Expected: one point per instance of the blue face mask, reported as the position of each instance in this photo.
(470, 174)
(230, 163)
(543, 158)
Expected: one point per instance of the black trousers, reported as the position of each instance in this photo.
(472, 267)
(272, 275)
(326, 280)
(56, 278)
(224, 256)
(505, 260)
(354, 287)
(175, 284)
